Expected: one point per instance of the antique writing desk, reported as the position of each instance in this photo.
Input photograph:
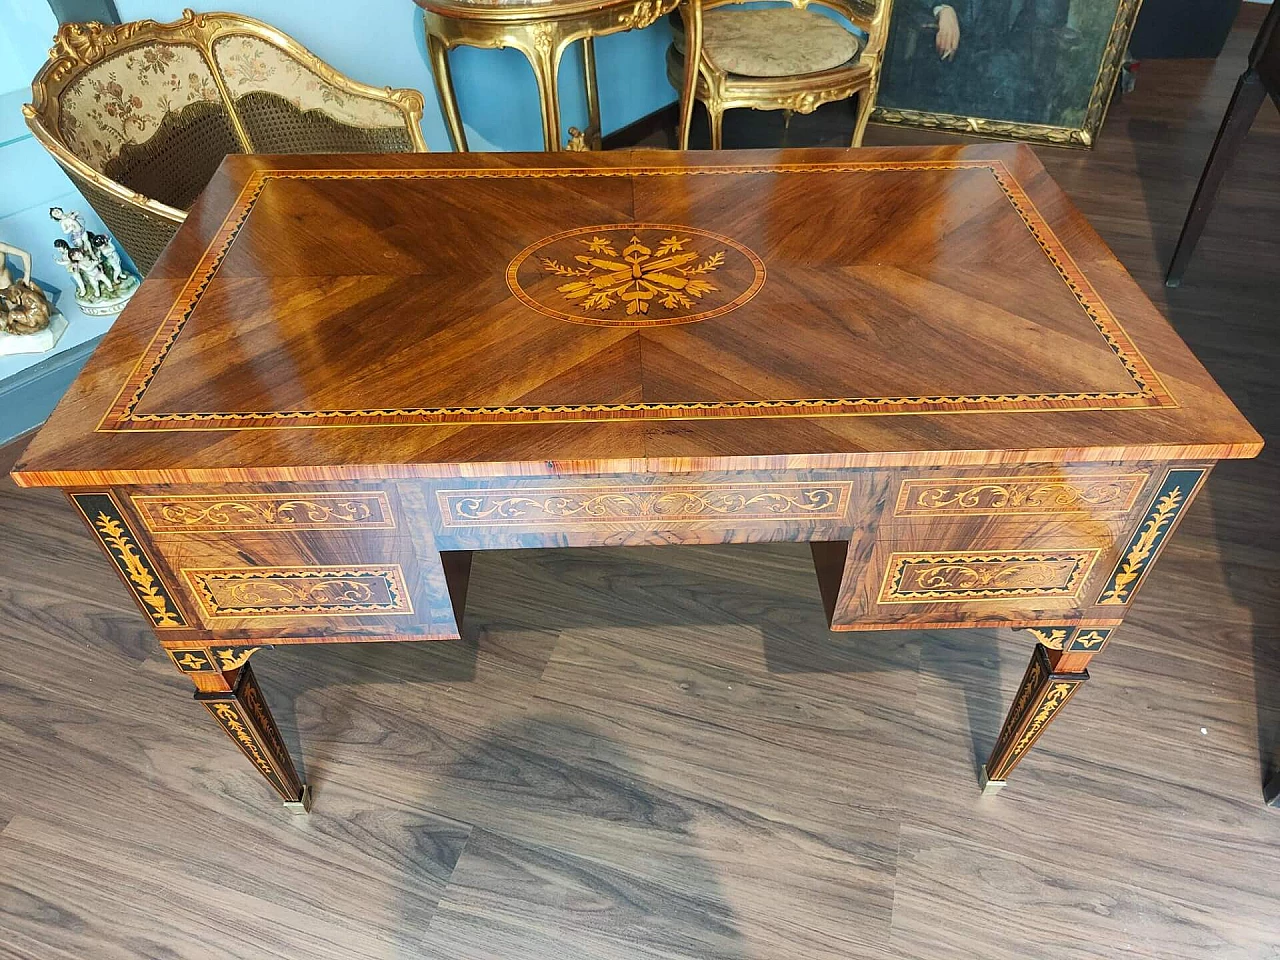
(347, 373)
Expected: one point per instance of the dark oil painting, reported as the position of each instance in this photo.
(1008, 61)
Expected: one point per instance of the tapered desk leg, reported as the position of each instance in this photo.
(444, 88)
(235, 700)
(1250, 92)
(1272, 791)
(1052, 678)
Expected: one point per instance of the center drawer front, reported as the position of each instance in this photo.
(738, 507)
(315, 561)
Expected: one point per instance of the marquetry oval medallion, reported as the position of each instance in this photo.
(635, 275)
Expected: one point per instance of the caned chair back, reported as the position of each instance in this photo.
(140, 114)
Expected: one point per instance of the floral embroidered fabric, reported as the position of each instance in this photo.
(249, 64)
(784, 42)
(123, 99)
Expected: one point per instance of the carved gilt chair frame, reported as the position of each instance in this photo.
(79, 46)
(698, 77)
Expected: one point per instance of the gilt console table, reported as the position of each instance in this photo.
(345, 374)
(542, 30)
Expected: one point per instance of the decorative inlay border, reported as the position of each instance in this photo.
(319, 591)
(918, 577)
(123, 413)
(265, 513)
(136, 569)
(1019, 496)
(1071, 639)
(671, 503)
(1177, 489)
(243, 715)
(1040, 697)
(191, 660)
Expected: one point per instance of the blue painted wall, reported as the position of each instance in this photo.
(381, 42)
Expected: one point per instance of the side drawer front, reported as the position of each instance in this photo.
(268, 511)
(1050, 499)
(287, 562)
(1001, 579)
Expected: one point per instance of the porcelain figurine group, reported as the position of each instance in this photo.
(103, 286)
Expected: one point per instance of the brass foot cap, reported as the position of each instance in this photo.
(302, 805)
(990, 786)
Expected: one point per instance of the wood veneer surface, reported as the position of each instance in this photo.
(373, 316)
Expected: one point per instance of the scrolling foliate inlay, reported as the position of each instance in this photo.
(1021, 496)
(914, 577)
(136, 569)
(227, 713)
(531, 506)
(1174, 492)
(320, 591)
(265, 513)
(1147, 391)
(635, 275)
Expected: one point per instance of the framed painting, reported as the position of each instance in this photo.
(1040, 70)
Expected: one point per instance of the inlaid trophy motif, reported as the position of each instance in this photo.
(635, 274)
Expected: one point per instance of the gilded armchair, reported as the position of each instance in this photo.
(140, 114)
(777, 58)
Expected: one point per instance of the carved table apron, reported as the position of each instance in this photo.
(674, 370)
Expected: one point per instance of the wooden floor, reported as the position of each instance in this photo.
(655, 753)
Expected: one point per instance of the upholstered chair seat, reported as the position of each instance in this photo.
(781, 42)
(140, 114)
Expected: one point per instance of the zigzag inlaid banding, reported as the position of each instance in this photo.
(123, 413)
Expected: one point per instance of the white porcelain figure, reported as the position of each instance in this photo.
(103, 285)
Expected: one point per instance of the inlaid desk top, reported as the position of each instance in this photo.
(492, 314)
(346, 374)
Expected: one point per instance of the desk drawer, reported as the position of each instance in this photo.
(1001, 578)
(268, 511)
(304, 586)
(1017, 498)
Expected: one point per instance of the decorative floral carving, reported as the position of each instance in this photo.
(929, 578)
(230, 658)
(612, 505)
(1032, 495)
(147, 588)
(300, 591)
(1057, 695)
(637, 276)
(228, 714)
(1143, 547)
(265, 513)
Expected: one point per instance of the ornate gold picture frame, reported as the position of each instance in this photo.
(1037, 70)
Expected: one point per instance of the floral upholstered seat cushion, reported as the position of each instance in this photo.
(785, 42)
